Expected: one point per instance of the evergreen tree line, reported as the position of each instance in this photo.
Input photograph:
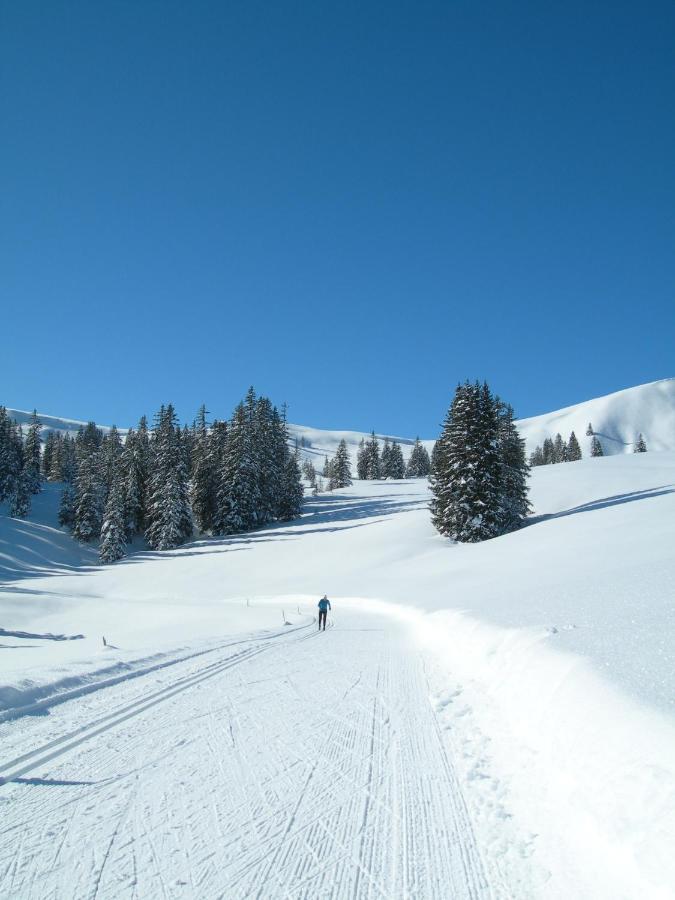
(19, 463)
(478, 468)
(372, 464)
(162, 483)
(558, 451)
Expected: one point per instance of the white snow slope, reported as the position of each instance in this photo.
(492, 720)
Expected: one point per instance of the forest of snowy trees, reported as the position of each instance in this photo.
(556, 450)
(163, 483)
(478, 469)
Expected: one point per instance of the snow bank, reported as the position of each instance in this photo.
(589, 771)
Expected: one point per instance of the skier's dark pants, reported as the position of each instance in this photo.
(322, 616)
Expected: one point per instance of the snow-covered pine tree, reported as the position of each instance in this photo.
(596, 447)
(537, 457)
(573, 448)
(89, 495)
(169, 516)
(293, 491)
(113, 530)
(67, 461)
(110, 455)
(202, 482)
(419, 464)
(558, 449)
(11, 455)
(67, 506)
(467, 469)
(270, 447)
(384, 459)
(31, 454)
(513, 472)
(20, 500)
(589, 430)
(372, 458)
(548, 451)
(362, 461)
(341, 467)
(396, 465)
(48, 454)
(55, 470)
(237, 496)
(309, 471)
(640, 446)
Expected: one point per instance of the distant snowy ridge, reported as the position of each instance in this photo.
(617, 420)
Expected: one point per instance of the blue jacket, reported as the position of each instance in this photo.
(324, 605)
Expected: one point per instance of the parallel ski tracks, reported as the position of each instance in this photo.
(315, 772)
(27, 762)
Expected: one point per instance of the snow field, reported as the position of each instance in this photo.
(548, 657)
(279, 772)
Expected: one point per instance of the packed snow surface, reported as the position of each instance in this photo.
(490, 720)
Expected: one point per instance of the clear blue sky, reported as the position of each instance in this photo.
(350, 205)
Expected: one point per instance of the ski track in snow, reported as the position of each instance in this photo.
(306, 767)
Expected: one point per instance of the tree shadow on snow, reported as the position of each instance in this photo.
(605, 502)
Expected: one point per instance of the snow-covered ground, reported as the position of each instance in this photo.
(482, 720)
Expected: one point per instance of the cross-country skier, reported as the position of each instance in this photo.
(324, 606)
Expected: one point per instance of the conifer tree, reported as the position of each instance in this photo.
(169, 517)
(113, 529)
(31, 453)
(589, 430)
(596, 447)
(67, 506)
(362, 461)
(293, 491)
(20, 501)
(67, 461)
(537, 457)
(89, 496)
(48, 453)
(558, 449)
(110, 455)
(309, 471)
(372, 458)
(396, 463)
(419, 464)
(238, 496)
(384, 459)
(573, 448)
(640, 446)
(11, 455)
(548, 452)
(202, 483)
(513, 472)
(341, 468)
(466, 473)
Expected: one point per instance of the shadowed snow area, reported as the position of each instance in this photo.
(482, 720)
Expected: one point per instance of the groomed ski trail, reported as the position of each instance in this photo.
(306, 767)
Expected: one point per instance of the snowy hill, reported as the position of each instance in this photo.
(617, 419)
